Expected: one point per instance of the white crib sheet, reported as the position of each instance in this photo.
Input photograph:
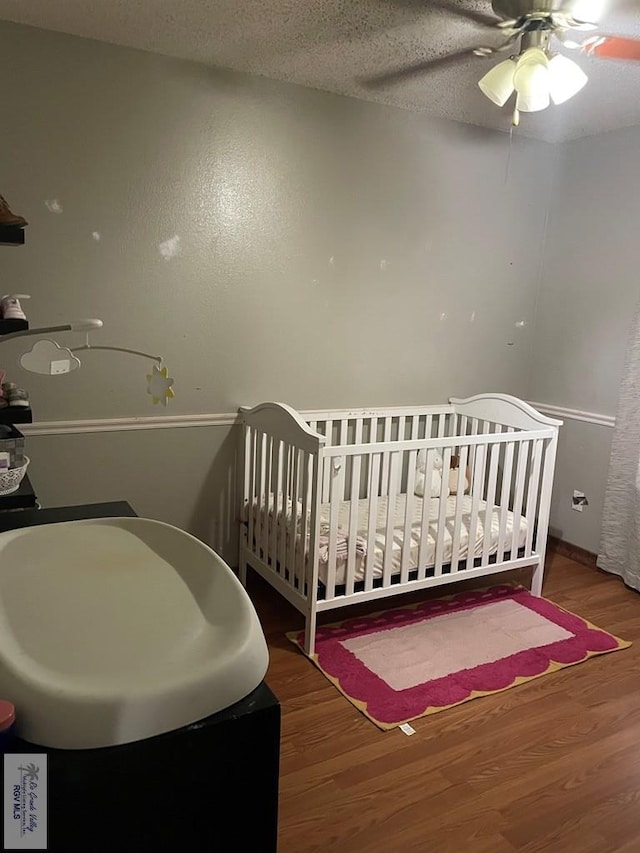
(380, 539)
(416, 533)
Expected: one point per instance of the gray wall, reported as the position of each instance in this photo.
(182, 476)
(588, 294)
(333, 252)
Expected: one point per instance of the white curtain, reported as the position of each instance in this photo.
(620, 539)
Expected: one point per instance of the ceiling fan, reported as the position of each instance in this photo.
(536, 74)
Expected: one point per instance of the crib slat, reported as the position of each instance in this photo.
(269, 520)
(507, 472)
(354, 495)
(484, 427)
(287, 460)
(494, 455)
(342, 438)
(442, 511)
(277, 501)
(473, 430)
(532, 495)
(407, 537)
(402, 421)
(386, 436)
(252, 507)
(304, 537)
(293, 523)
(245, 479)
(428, 426)
(442, 423)
(425, 531)
(476, 494)
(521, 471)
(389, 539)
(326, 473)
(415, 423)
(311, 587)
(335, 494)
(457, 523)
(372, 519)
(259, 491)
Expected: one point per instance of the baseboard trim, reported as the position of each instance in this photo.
(573, 552)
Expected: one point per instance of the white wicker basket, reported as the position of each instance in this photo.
(10, 480)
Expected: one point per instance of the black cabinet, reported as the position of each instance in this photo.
(209, 786)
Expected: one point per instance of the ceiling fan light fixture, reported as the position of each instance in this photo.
(533, 56)
(531, 81)
(497, 84)
(532, 102)
(566, 79)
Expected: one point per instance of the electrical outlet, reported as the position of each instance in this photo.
(579, 501)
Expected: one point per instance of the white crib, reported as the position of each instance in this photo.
(330, 516)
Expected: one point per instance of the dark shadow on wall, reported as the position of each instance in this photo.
(215, 518)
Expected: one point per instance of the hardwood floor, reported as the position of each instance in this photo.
(552, 765)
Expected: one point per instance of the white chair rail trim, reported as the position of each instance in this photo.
(230, 418)
(575, 414)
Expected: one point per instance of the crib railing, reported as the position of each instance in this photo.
(495, 453)
(293, 469)
(281, 500)
(382, 425)
(510, 470)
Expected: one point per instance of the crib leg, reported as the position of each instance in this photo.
(538, 575)
(310, 633)
(242, 570)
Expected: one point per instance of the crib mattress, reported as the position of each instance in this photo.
(380, 543)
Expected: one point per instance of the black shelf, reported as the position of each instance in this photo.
(11, 235)
(16, 415)
(23, 498)
(9, 326)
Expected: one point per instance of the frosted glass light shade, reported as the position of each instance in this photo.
(533, 103)
(498, 84)
(566, 79)
(589, 11)
(535, 55)
(531, 81)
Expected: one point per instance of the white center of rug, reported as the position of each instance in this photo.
(433, 648)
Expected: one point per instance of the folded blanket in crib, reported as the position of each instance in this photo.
(286, 516)
(342, 544)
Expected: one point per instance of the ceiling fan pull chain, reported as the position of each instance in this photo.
(508, 169)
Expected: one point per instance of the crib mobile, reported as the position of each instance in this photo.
(48, 358)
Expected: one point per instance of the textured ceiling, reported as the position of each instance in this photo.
(339, 45)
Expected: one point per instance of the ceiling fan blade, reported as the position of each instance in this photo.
(402, 74)
(613, 47)
(449, 7)
(471, 14)
(438, 62)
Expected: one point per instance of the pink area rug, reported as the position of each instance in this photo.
(416, 660)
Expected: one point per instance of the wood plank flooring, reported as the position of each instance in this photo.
(552, 765)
